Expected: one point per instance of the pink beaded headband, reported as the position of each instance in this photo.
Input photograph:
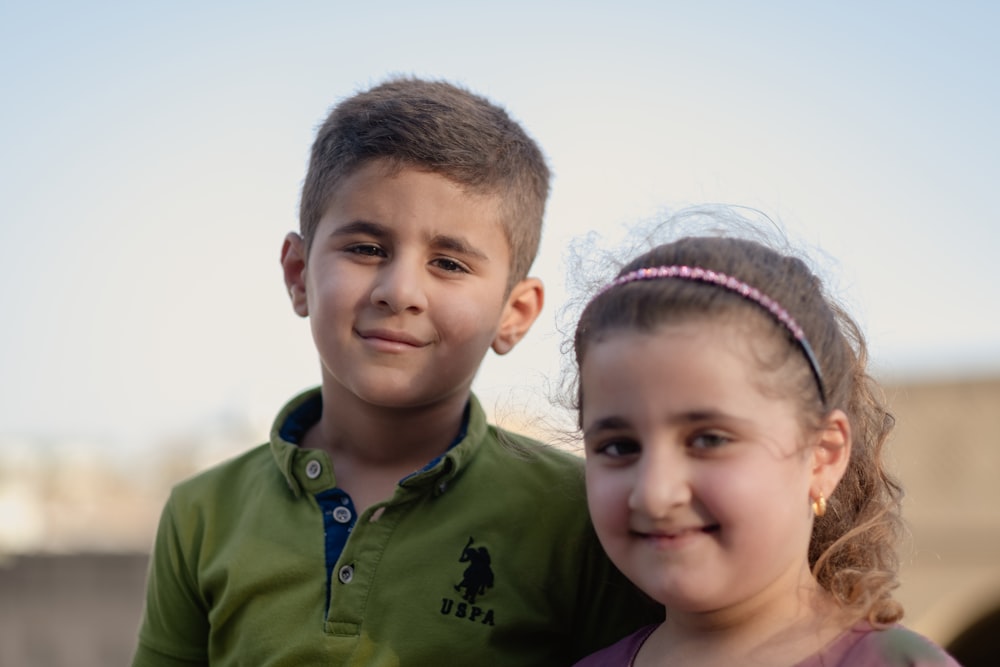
(733, 285)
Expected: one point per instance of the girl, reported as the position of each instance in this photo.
(734, 464)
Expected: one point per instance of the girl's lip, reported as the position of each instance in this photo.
(673, 534)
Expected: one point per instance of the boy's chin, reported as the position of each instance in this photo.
(406, 398)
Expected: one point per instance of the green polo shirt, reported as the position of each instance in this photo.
(485, 557)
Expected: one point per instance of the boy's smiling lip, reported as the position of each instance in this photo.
(389, 337)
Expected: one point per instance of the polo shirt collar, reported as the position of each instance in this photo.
(304, 410)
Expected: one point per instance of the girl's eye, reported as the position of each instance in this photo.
(619, 448)
(708, 441)
(450, 265)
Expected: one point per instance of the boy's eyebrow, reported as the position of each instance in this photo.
(457, 245)
(362, 227)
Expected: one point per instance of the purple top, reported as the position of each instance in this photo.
(860, 646)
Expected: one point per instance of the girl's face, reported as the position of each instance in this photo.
(698, 480)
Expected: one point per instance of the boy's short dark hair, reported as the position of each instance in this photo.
(442, 128)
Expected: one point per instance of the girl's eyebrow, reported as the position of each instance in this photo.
(614, 423)
(695, 416)
(605, 424)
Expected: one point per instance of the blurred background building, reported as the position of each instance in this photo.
(947, 452)
(76, 529)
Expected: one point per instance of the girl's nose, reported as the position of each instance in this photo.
(661, 484)
(399, 287)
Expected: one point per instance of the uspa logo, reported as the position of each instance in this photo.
(476, 580)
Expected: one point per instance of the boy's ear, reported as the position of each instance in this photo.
(520, 312)
(293, 264)
(831, 454)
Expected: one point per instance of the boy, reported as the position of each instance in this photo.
(386, 523)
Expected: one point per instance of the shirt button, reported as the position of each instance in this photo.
(345, 574)
(341, 514)
(313, 469)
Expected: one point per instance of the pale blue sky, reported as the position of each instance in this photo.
(152, 155)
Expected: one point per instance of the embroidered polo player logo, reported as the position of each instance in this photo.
(477, 576)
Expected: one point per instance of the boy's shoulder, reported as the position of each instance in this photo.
(525, 468)
(229, 477)
(499, 440)
(519, 445)
(259, 467)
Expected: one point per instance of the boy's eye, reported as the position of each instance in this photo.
(366, 249)
(450, 265)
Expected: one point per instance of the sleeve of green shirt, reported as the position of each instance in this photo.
(175, 625)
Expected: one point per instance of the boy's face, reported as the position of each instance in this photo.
(405, 285)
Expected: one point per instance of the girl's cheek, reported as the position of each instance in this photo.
(607, 496)
(597, 491)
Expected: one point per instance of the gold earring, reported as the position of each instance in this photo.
(819, 506)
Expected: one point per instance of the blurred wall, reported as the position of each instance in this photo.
(946, 449)
(79, 610)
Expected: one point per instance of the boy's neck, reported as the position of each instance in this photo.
(373, 447)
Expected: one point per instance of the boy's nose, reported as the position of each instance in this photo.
(661, 484)
(399, 287)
